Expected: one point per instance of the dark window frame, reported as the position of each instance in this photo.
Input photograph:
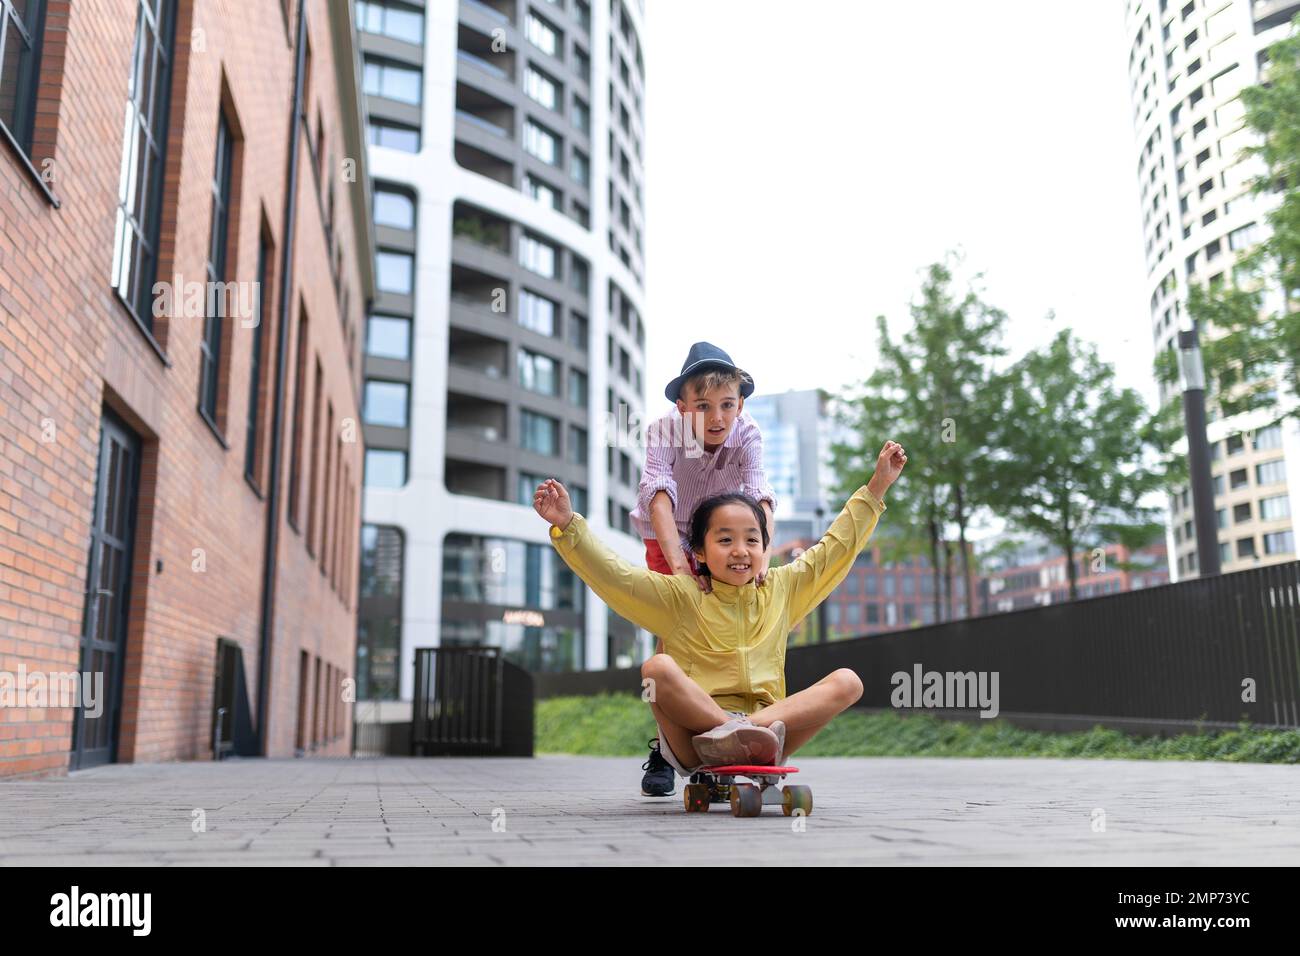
(145, 235)
(20, 125)
(210, 346)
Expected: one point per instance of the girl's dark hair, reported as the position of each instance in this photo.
(704, 511)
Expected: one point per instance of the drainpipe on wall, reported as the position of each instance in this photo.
(277, 417)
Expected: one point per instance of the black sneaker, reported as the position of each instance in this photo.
(660, 779)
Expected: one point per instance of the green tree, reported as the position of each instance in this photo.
(930, 393)
(1070, 456)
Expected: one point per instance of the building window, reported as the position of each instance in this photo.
(541, 142)
(396, 20)
(1270, 509)
(1239, 479)
(379, 613)
(1270, 437)
(577, 449)
(21, 25)
(397, 136)
(542, 35)
(1270, 472)
(536, 313)
(393, 208)
(1241, 512)
(538, 373)
(1245, 547)
(539, 433)
(540, 87)
(1247, 235)
(581, 168)
(578, 387)
(388, 336)
(578, 331)
(1279, 542)
(581, 116)
(385, 403)
(392, 81)
(395, 272)
(135, 242)
(507, 572)
(264, 253)
(542, 192)
(538, 256)
(527, 487)
(385, 468)
(579, 275)
(213, 326)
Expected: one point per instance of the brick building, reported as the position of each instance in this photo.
(1034, 574)
(180, 456)
(879, 595)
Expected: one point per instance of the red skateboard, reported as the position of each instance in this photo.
(717, 784)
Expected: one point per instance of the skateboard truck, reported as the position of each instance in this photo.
(717, 784)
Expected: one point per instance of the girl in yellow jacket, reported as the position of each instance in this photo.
(718, 691)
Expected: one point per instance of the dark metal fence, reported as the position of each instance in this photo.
(1162, 658)
(470, 701)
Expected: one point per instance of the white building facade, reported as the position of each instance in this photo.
(1188, 63)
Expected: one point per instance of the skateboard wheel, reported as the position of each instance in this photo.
(696, 797)
(746, 800)
(796, 797)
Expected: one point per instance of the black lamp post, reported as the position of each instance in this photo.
(1198, 453)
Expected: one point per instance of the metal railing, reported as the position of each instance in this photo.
(470, 701)
(1175, 654)
(1211, 652)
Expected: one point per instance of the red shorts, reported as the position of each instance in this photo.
(655, 560)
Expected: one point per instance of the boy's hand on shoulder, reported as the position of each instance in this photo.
(763, 565)
(704, 582)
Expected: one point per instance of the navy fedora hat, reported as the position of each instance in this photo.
(702, 357)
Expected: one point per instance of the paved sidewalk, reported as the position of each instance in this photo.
(580, 810)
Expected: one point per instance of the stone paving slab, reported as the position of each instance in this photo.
(588, 810)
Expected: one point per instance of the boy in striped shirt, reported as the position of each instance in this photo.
(707, 446)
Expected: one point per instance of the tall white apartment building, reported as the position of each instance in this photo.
(1188, 62)
(506, 142)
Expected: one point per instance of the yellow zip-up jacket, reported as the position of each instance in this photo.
(731, 641)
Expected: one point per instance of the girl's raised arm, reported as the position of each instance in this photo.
(646, 598)
(812, 576)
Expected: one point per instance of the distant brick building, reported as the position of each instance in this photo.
(181, 461)
(1036, 575)
(878, 595)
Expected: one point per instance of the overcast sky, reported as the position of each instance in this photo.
(805, 160)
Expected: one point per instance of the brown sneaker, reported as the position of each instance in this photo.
(737, 741)
(778, 727)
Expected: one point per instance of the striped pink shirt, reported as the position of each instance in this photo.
(680, 466)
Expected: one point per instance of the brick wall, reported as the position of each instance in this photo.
(69, 347)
